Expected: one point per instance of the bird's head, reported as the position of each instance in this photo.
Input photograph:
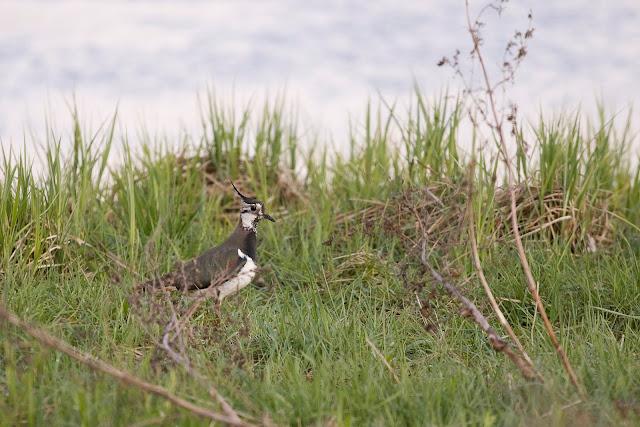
(251, 211)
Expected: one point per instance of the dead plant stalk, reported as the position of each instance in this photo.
(102, 366)
(485, 284)
(497, 125)
(183, 359)
(175, 330)
(496, 342)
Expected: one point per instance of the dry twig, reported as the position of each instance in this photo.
(177, 327)
(496, 342)
(497, 125)
(102, 366)
(485, 285)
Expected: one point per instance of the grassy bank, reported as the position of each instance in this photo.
(339, 277)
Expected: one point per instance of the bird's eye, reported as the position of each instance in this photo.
(253, 208)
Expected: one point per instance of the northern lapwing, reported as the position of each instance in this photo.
(225, 269)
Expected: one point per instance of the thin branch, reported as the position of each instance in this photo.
(531, 283)
(186, 365)
(175, 329)
(182, 358)
(487, 289)
(496, 342)
(102, 366)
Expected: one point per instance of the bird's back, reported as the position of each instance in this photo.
(211, 267)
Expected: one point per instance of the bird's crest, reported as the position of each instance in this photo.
(252, 211)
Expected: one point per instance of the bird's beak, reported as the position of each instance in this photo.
(267, 216)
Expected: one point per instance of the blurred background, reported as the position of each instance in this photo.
(152, 60)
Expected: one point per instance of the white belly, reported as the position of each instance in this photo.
(244, 277)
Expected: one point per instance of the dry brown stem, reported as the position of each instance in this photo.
(497, 125)
(178, 328)
(485, 284)
(102, 366)
(496, 342)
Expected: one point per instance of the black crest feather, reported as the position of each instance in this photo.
(246, 199)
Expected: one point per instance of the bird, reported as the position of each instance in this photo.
(224, 269)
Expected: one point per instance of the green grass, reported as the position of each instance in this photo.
(75, 239)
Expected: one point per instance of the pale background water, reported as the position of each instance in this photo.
(152, 59)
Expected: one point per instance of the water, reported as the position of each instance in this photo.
(151, 59)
